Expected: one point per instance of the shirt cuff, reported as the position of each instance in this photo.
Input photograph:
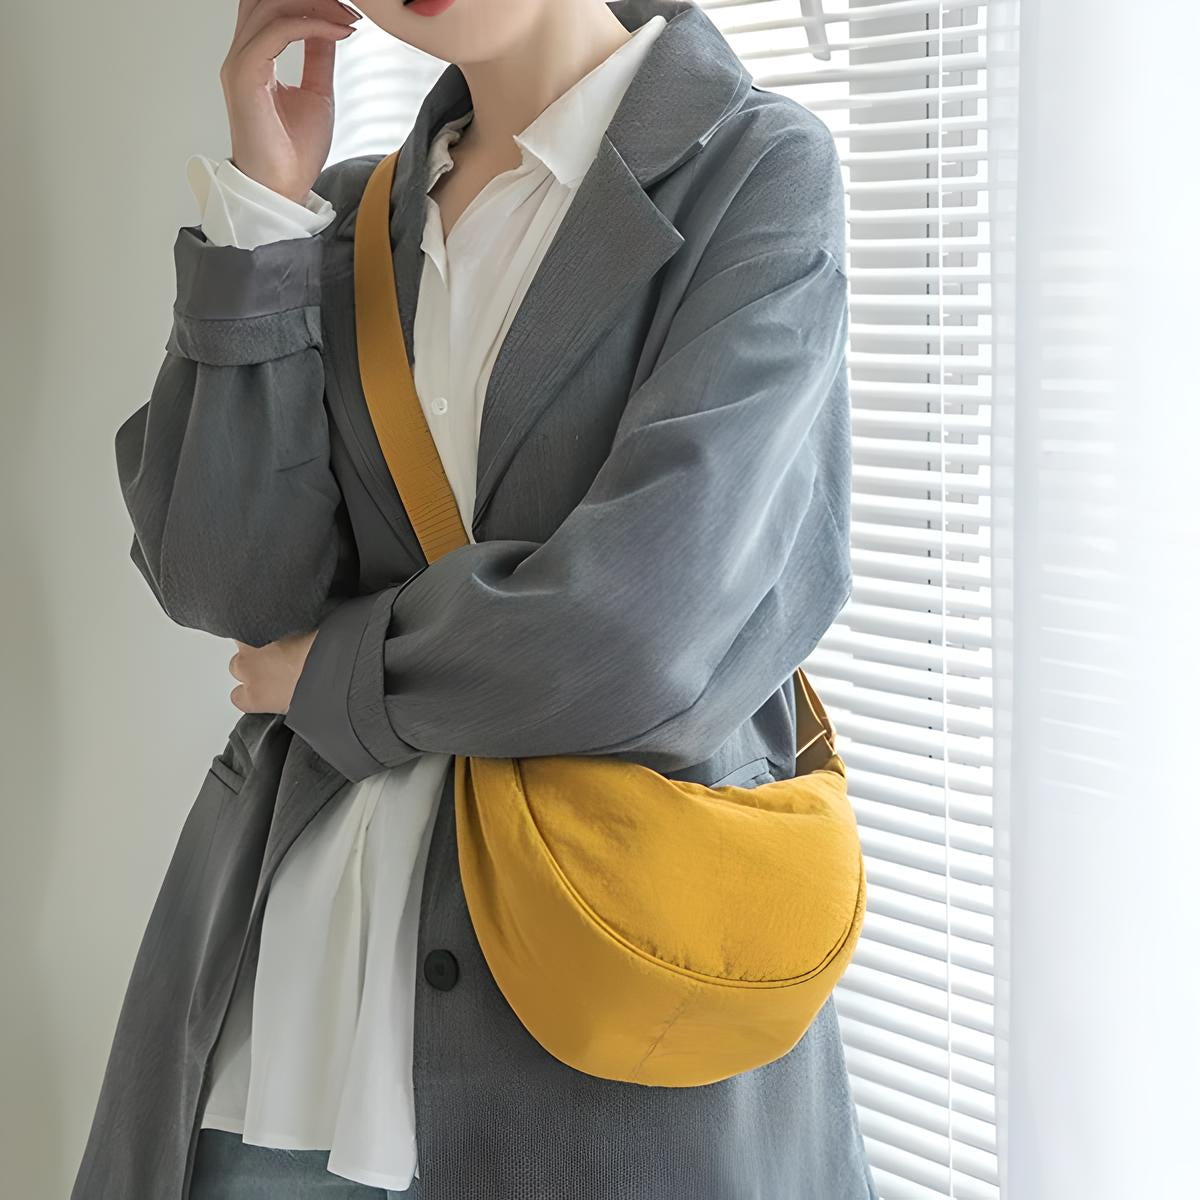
(239, 211)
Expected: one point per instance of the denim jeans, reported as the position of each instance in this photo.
(226, 1168)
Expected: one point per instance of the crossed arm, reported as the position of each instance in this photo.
(704, 562)
(239, 525)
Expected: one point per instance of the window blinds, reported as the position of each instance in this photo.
(921, 98)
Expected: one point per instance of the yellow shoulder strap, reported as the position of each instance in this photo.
(403, 433)
(400, 425)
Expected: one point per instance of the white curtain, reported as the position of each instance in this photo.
(1097, 652)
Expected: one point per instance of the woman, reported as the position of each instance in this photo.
(624, 305)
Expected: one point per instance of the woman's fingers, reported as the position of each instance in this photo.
(264, 44)
(319, 56)
(262, 13)
(281, 135)
(276, 37)
(268, 674)
(236, 661)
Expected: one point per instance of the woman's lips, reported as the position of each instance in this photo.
(427, 8)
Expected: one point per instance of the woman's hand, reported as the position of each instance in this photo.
(281, 134)
(268, 673)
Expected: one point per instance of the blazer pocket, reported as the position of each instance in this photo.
(232, 764)
(749, 774)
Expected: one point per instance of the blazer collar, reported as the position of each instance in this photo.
(613, 234)
(690, 61)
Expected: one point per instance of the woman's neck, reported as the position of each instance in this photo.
(511, 89)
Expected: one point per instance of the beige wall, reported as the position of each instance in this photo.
(110, 711)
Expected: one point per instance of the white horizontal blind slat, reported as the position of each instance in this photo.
(924, 124)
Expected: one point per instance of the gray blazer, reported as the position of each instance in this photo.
(662, 525)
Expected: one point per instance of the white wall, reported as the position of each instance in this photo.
(110, 711)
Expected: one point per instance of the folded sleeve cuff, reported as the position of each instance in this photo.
(236, 306)
(340, 676)
(237, 210)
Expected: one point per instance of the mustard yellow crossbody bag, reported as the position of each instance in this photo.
(642, 928)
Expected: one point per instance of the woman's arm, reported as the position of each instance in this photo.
(705, 561)
(239, 526)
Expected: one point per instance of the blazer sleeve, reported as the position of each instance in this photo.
(239, 525)
(706, 559)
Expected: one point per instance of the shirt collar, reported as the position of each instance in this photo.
(691, 62)
(566, 134)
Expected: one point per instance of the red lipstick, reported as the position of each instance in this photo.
(427, 8)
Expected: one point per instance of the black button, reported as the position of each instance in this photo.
(441, 969)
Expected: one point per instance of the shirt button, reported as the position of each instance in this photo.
(441, 969)
(440, 404)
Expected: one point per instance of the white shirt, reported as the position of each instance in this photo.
(316, 1053)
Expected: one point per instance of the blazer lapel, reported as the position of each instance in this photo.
(612, 239)
(610, 242)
